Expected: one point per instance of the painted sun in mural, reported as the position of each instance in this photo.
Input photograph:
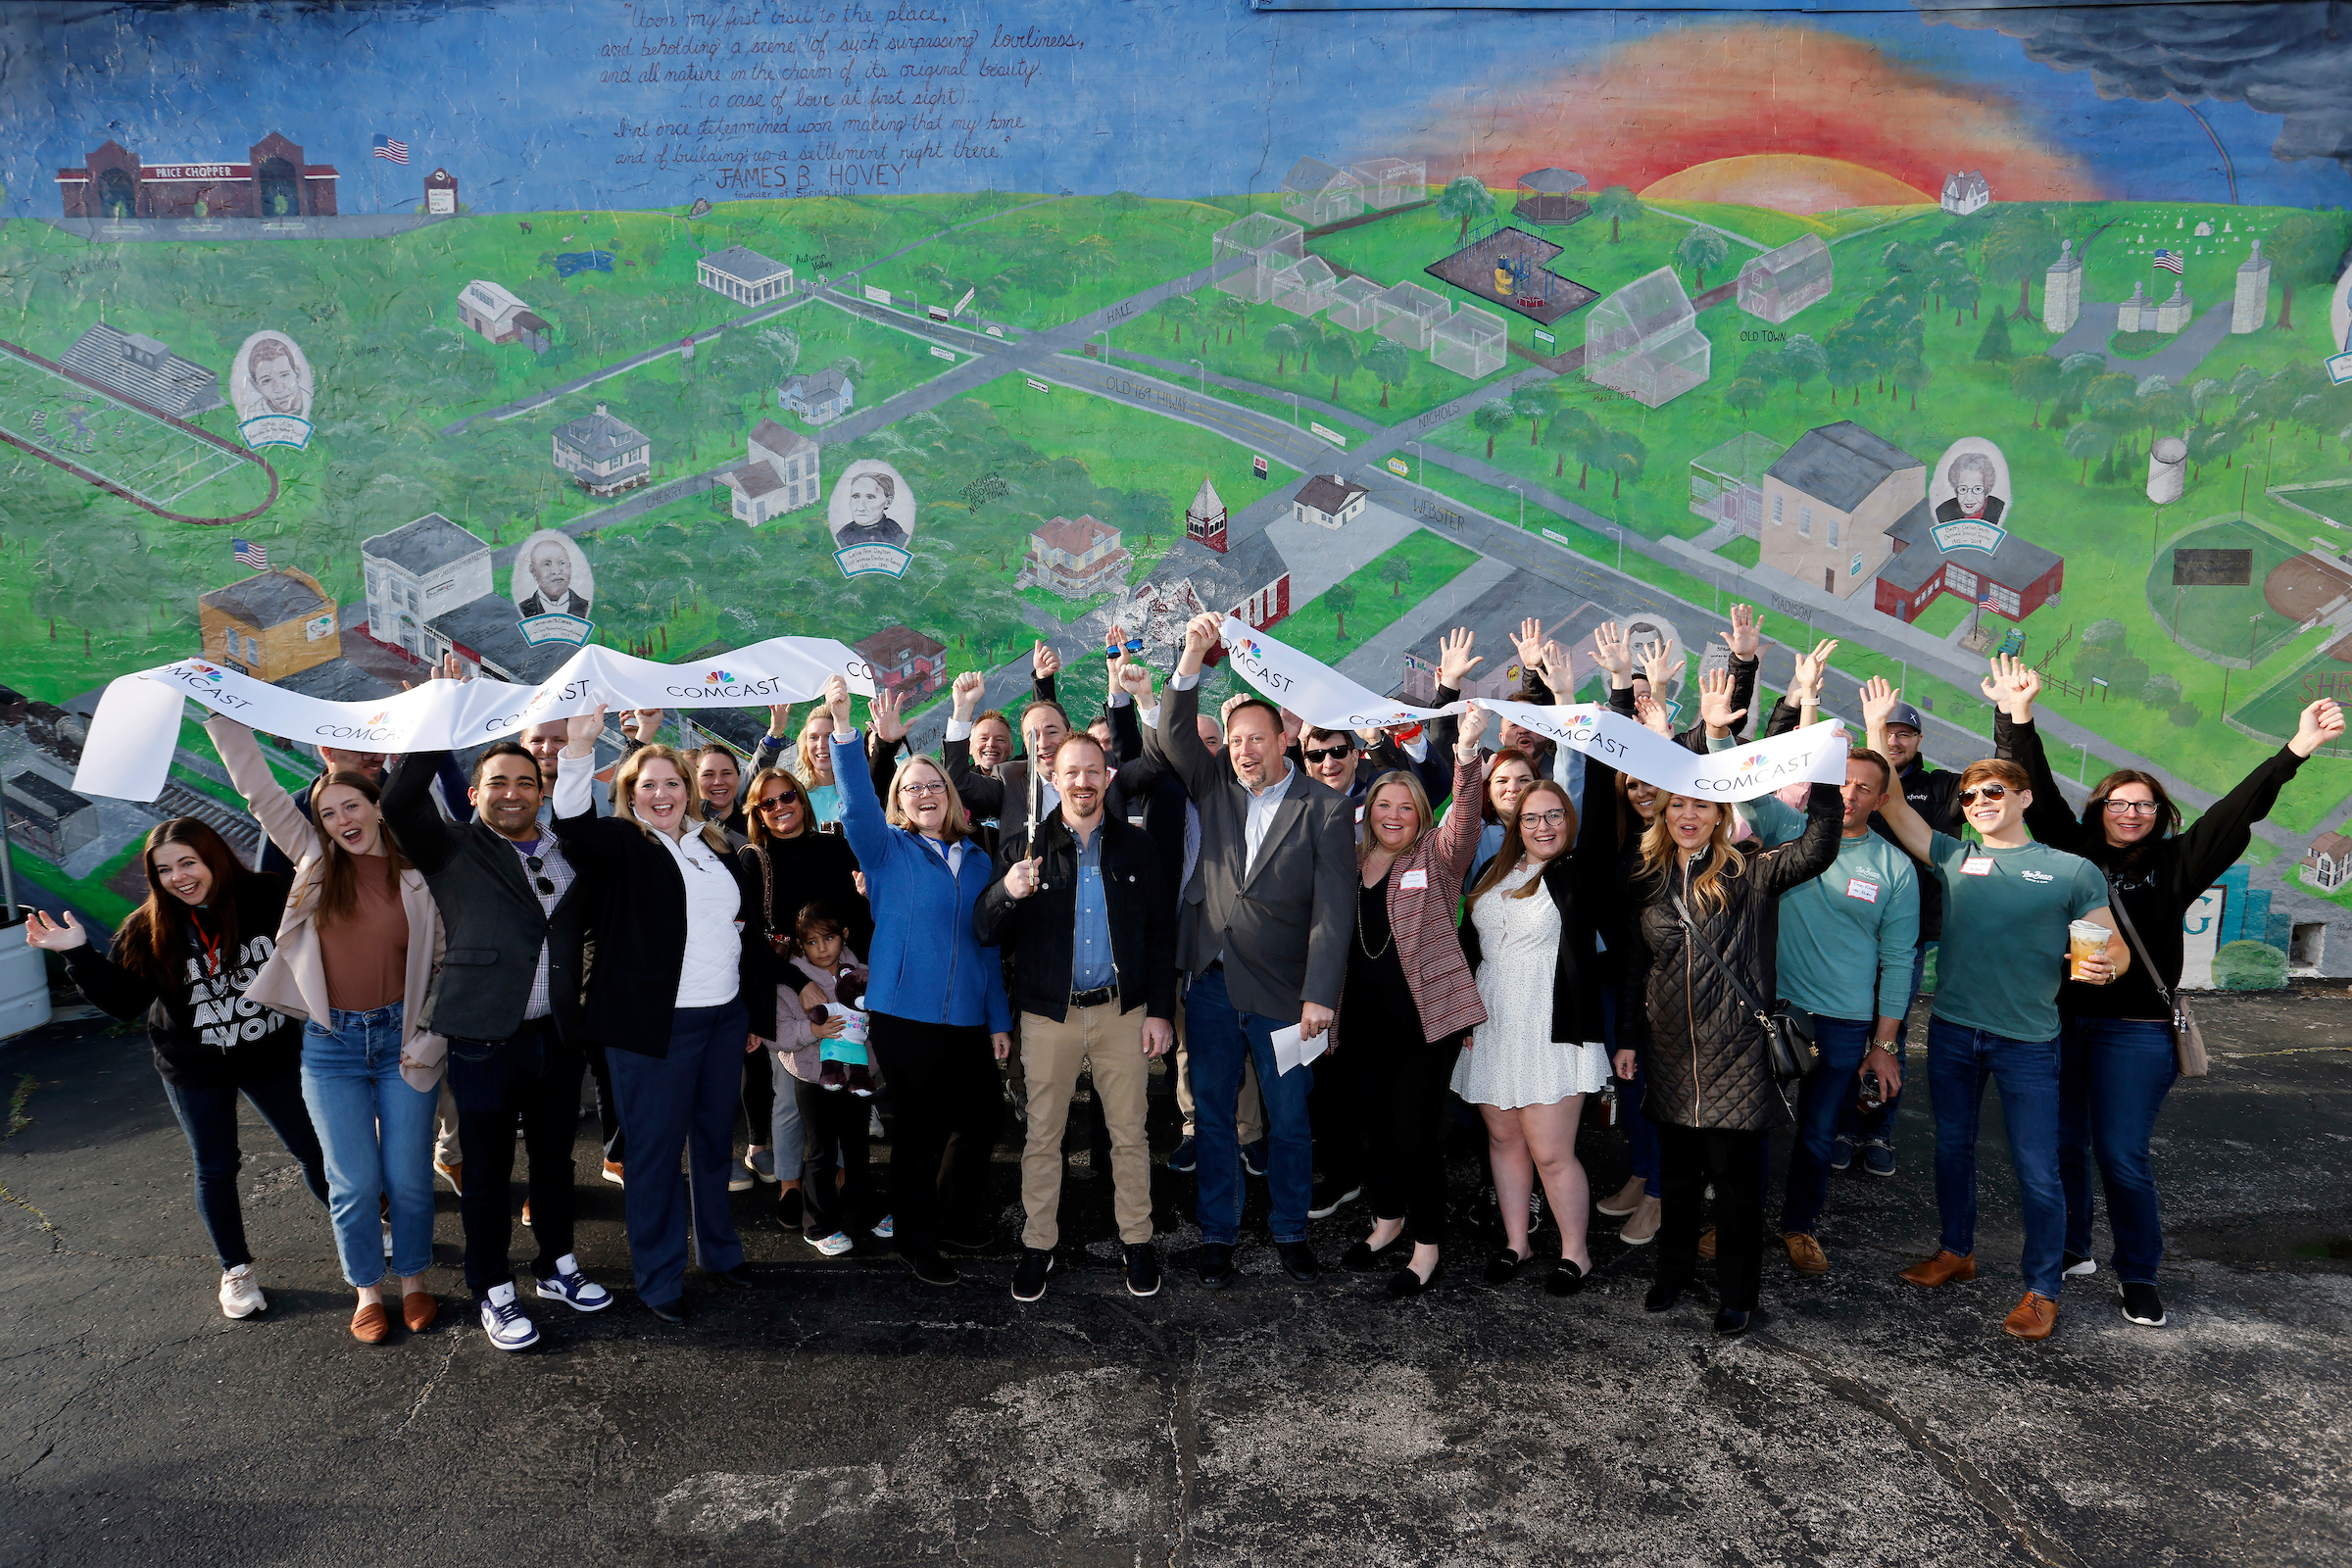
(1780, 116)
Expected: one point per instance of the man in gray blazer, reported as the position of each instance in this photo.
(1262, 939)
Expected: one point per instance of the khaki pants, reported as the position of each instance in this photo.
(1249, 1115)
(1114, 1043)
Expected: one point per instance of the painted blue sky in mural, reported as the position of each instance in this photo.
(1172, 99)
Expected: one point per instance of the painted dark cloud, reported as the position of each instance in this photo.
(2293, 61)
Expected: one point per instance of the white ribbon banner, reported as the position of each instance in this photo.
(136, 726)
(1329, 700)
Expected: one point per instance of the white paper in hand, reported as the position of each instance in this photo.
(1291, 1050)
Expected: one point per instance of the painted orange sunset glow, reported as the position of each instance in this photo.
(1817, 121)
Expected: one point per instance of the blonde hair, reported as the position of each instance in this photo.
(1506, 859)
(624, 793)
(1658, 853)
(957, 825)
(802, 769)
(1365, 842)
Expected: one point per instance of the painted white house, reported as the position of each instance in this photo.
(1327, 501)
(744, 276)
(602, 454)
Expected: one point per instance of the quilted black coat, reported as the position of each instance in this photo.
(1702, 1051)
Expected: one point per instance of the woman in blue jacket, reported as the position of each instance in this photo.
(936, 996)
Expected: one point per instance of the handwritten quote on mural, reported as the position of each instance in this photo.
(799, 100)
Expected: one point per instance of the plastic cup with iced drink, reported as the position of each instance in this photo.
(2085, 939)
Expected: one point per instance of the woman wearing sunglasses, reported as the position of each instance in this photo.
(2116, 1058)
(2008, 905)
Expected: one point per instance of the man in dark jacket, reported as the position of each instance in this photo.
(508, 996)
(1092, 936)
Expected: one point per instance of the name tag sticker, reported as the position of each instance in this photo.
(1861, 888)
(1359, 817)
(1412, 882)
(1977, 865)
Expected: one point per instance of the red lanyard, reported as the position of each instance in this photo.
(209, 944)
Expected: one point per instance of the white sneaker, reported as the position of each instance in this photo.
(241, 1293)
(574, 1289)
(885, 1229)
(387, 1224)
(833, 1245)
(504, 1321)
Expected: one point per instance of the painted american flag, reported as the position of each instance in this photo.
(249, 554)
(2170, 260)
(391, 149)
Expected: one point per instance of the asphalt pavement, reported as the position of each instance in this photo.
(843, 1413)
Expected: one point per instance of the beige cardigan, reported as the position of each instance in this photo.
(294, 979)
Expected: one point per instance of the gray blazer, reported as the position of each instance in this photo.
(1283, 929)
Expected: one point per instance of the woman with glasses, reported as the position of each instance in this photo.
(936, 996)
(675, 994)
(794, 865)
(2116, 1056)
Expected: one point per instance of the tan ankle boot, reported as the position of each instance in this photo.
(1624, 1201)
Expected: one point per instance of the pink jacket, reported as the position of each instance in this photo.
(1429, 944)
(795, 1039)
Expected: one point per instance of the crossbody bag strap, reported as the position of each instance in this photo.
(767, 889)
(1746, 996)
(2140, 949)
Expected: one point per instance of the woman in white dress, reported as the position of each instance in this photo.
(1528, 937)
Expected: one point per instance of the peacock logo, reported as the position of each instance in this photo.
(378, 716)
(198, 667)
(1751, 759)
(720, 677)
(1248, 648)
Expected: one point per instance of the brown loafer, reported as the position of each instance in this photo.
(1642, 1228)
(370, 1324)
(1706, 1242)
(417, 1310)
(2033, 1318)
(1943, 1268)
(1804, 1254)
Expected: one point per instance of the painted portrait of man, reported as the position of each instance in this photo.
(270, 377)
(551, 577)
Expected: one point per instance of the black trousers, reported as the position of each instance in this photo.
(945, 1106)
(608, 1114)
(1688, 1159)
(1401, 1097)
(833, 1134)
(537, 1074)
(1337, 1105)
(760, 1096)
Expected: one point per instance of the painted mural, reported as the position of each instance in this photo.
(342, 339)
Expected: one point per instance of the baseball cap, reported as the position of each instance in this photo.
(1907, 716)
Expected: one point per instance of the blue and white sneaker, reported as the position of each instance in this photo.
(1877, 1157)
(833, 1245)
(1253, 1157)
(1184, 1159)
(574, 1289)
(503, 1319)
(885, 1229)
(1842, 1153)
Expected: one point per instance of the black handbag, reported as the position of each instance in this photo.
(1789, 1048)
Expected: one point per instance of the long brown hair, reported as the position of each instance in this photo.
(1506, 859)
(338, 873)
(2095, 810)
(624, 794)
(1629, 815)
(1487, 812)
(1723, 861)
(155, 935)
(757, 819)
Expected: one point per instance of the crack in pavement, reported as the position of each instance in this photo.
(1184, 1436)
(456, 1341)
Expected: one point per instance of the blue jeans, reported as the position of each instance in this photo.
(1867, 1126)
(1640, 1133)
(2113, 1075)
(1820, 1095)
(1217, 1036)
(685, 1101)
(1959, 1061)
(208, 1115)
(377, 1136)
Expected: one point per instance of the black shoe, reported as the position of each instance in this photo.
(1029, 1275)
(2076, 1267)
(1143, 1269)
(1663, 1294)
(736, 1278)
(670, 1312)
(1298, 1260)
(1185, 1158)
(1505, 1267)
(1253, 1157)
(977, 1238)
(1216, 1265)
(789, 1208)
(1330, 1197)
(1730, 1323)
(1363, 1255)
(932, 1269)
(1565, 1279)
(1405, 1283)
(2143, 1306)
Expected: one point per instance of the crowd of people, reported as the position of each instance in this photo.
(1462, 924)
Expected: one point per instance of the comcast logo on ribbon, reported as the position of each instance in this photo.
(198, 667)
(378, 716)
(1248, 648)
(720, 677)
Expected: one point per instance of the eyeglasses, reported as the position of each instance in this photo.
(2117, 807)
(1326, 753)
(923, 789)
(1542, 818)
(1991, 792)
(538, 881)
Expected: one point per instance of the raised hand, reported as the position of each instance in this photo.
(451, 668)
(888, 709)
(1560, 671)
(1879, 702)
(1661, 664)
(1652, 713)
(1468, 728)
(1612, 652)
(1811, 668)
(1044, 662)
(1715, 701)
(642, 725)
(836, 699)
(47, 935)
(779, 721)
(1454, 659)
(1746, 636)
(2322, 725)
(1135, 679)
(580, 731)
(1201, 633)
(2011, 687)
(1529, 643)
(968, 689)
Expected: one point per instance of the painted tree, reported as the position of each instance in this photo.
(1493, 416)
(1534, 404)
(1801, 358)
(1746, 395)
(2035, 380)
(2020, 249)
(1847, 356)
(1396, 569)
(1177, 309)
(1231, 312)
(1700, 249)
(1962, 292)
(2088, 439)
(1282, 342)
(1593, 452)
(1341, 599)
(1911, 374)
(1466, 202)
(1994, 348)
(1626, 454)
(1571, 428)
(1336, 355)
(2303, 248)
(1619, 205)
(1390, 364)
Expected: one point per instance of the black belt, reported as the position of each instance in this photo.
(1094, 998)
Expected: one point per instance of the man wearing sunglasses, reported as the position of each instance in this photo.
(507, 997)
(2007, 904)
